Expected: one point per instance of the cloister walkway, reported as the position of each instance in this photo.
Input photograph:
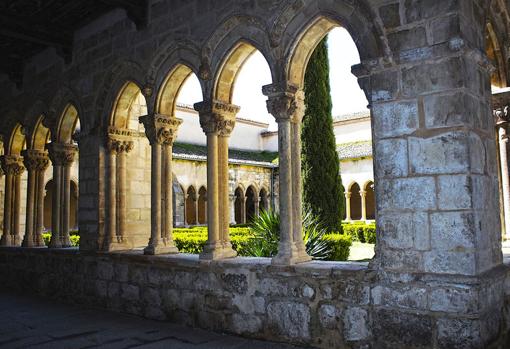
(29, 322)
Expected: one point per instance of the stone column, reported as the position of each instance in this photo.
(195, 203)
(119, 143)
(62, 156)
(502, 117)
(348, 206)
(243, 210)
(217, 120)
(256, 205)
(363, 195)
(36, 162)
(285, 104)
(13, 168)
(161, 130)
(232, 209)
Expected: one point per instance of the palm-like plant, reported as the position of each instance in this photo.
(266, 236)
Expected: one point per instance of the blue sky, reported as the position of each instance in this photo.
(345, 92)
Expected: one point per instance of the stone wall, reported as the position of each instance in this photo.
(325, 305)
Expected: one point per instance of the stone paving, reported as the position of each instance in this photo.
(29, 322)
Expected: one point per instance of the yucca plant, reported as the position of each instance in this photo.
(266, 236)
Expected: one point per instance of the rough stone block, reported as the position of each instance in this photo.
(459, 334)
(454, 300)
(443, 154)
(450, 262)
(455, 192)
(405, 230)
(405, 330)
(390, 15)
(248, 324)
(236, 283)
(417, 193)
(289, 319)
(453, 231)
(401, 297)
(151, 296)
(442, 110)
(105, 270)
(417, 10)
(407, 39)
(391, 160)
(384, 86)
(444, 28)
(356, 324)
(395, 118)
(130, 292)
(329, 316)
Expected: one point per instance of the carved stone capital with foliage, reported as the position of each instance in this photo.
(36, 160)
(12, 165)
(120, 140)
(62, 154)
(285, 102)
(217, 117)
(160, 128)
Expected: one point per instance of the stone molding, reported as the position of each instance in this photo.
(13, 165)
(36, 160)
(217, 117)
(62, 154)
(161, 128)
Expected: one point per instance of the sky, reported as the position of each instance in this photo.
(346, 94)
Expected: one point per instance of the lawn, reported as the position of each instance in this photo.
(361, 251)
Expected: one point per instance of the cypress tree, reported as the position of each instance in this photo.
(322, 184)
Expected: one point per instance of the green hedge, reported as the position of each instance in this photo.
(340, 246)
(362, 232)
(73, 236)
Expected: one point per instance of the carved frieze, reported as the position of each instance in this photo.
(161, 128)
(36, 160)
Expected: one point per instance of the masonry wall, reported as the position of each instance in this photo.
(325, 305)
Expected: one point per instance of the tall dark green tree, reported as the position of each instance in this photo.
(322, 185)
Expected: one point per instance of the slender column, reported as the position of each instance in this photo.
(286, 107)
(111, 240)
(62, 157)
(244, 215)
(195, 204)
(363, 195)
(257, 206)
(36, 162)
(502, 120)
(13, 168)
(348, 206)
(161, 130)
(217, 120)
(232, 209)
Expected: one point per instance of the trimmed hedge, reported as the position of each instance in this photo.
(362, 232)
(340, 246)
(73, 236)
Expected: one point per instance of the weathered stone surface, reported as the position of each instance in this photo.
(408, 329)
(394, 152)
(459, 334)
(356, 324)
(395, 118)
(289, 319)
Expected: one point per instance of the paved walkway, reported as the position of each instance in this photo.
(27, 322)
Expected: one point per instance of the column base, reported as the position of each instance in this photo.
(5, 240)
(289, 256)
(116, 246)
(217, 251)
(160, 248)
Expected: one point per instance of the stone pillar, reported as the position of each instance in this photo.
(161, 130)
(217, 120)
(195, 203)
(243, 211)
(502, 119)
(119, 143)
(348, 206)
(363, 195)
(36, 162)
(285, 103)
(232, 209)
(13, 168)
(62, 156)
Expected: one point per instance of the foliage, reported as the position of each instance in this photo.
(322, 184)
(73, 236)
(362, 232)
(339, 245)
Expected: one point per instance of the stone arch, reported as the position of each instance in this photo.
(113, 82)
(263, 199)
(64, 99)
(369, 190)
(39, 135)
(122, 107)
(251, 203)
(15, 141)
(170, 87)
(355, 200)
(191, 206)
(178, 203)
(357, 19)
(495, 54)
(67, 124)
(239, 206)
(202, 205)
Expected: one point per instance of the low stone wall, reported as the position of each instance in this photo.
(323, 304)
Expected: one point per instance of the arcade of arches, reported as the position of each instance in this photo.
(438, 279)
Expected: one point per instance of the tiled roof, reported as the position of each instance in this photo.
(188, 151)
(354, 150)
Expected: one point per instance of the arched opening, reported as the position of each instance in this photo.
(263, 200)
(191, 206)
(40, 136)
(68, 125)
(73, 206)
(48, 199)
(370, 200)
(355, 202)
(178, 204)
(251, 201)
(495, 55)
(239, 206)
(202, 206)
(16, 141)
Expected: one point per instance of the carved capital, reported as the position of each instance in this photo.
(217, 117)
(285, 102)
(120, 140)
(12, 165)
(62, 154)
(160, 128)
(36, 160)
(502, 116)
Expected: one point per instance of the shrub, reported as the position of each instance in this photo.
(190, 243)
(339, 245)
(73, 236)
(362, 232)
